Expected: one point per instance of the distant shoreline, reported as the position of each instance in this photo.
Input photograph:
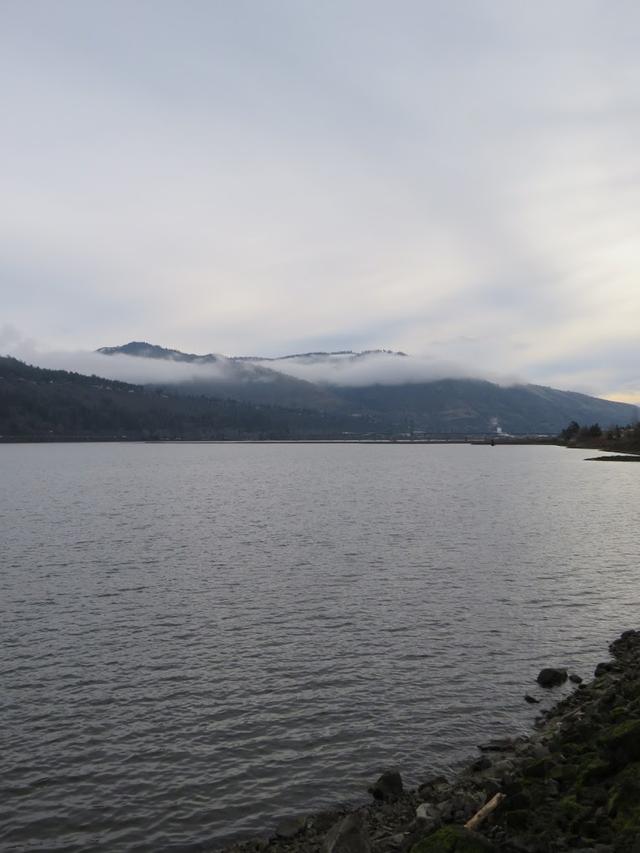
(629, 457)
(471, 440)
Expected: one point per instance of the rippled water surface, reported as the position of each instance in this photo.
(200, 639)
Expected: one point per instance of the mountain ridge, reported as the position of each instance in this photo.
(444, 404)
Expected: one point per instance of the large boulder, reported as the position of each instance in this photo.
(551, 676)
(388, 787)
(349, 835)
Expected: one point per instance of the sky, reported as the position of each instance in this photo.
(457, 179)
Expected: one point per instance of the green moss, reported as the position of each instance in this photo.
(620, 712)
(575, 750)
(453, 839)
(624, 801)
(594, 771)
(624, 738)
(570, 812)
(565, 773)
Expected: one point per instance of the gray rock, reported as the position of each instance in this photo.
(347, 836)
(435, 789)
(289, 827)
(540, 750)
(256, 844)
(445, 810)
(492, 786)
(388, 787)
(322, 822)
(575, 678)
(551, 677)
(502, 770)
(531, 699)
(501, 744)
(525, 748)
(390, 842)
(465, 804)
(428, 812)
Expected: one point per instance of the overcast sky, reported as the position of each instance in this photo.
(457, 179)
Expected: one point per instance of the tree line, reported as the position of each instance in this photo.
(617, 437)
(41, 404)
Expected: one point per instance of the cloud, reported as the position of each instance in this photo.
(383, 368)
(12, 338)
(380, 368)
(125, 368)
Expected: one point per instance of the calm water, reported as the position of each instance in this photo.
(200, 639)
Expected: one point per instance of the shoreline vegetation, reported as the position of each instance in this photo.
(573, 784)
(616, 439)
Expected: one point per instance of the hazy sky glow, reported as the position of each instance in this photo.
(458, 179)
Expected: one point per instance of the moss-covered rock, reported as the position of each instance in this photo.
(624, 807)
(623, 740)
(620, 712)
(570, 811)
(454, 839)
(594, 771)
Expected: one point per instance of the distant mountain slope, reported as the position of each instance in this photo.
(473, 405)
(145, 350)
(245, 379)
(438, 405)
(55, 404)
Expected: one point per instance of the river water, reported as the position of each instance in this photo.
(198, 640)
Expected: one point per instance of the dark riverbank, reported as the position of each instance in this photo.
(628, 458)
(573, 784)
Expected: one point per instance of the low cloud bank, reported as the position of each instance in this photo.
(380, 368)
(126, 368)
(377, 368)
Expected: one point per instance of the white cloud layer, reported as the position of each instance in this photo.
(382, 368)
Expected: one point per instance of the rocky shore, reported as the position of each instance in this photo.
(574, 784)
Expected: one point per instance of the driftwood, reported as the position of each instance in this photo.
(485, 811)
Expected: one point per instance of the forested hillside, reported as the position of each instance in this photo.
(36, 403)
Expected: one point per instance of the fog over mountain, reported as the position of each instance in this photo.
(374, 367)
(394, 389)
(143, 363)
(401, 391)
